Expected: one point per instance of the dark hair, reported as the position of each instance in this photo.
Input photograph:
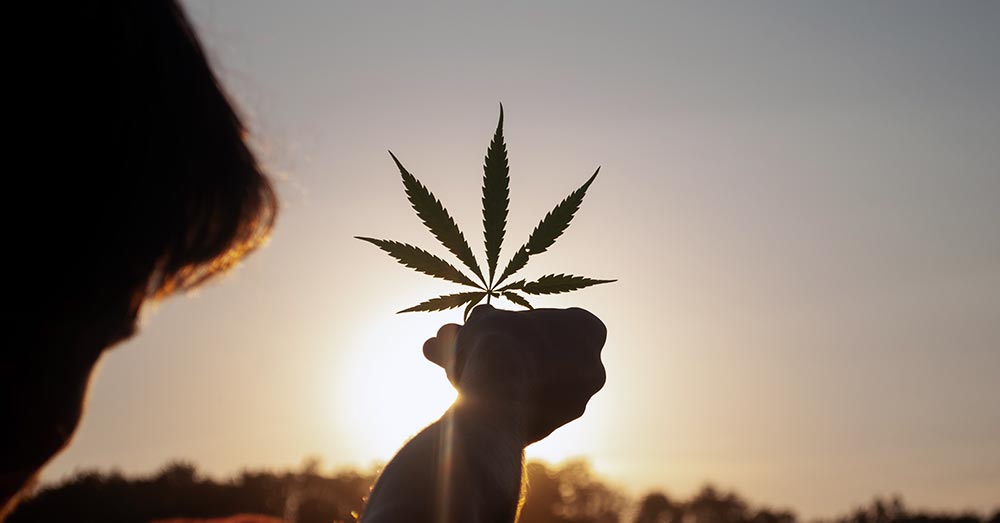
(172, 194)
(200, 200)
(143, 185)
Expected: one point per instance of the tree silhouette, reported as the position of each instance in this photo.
(568, 493)
(656, 507)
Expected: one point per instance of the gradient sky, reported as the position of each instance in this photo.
(801, 202)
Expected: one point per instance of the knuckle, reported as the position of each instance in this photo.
(599, 372)
(478, 312)
(447, 330)
(430, 349)
(590, 325)
(599, 380)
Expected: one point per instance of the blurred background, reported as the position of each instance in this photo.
(800, 202)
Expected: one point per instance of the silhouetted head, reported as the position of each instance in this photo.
(147, 187)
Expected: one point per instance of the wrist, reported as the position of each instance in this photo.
(495, 420)
(488, 439)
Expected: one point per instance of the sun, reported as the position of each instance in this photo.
(392, 391)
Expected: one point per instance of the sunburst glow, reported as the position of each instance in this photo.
(393, 392)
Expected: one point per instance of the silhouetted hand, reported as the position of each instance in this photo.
(542, 365)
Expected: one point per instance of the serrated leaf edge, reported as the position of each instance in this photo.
(574, 283)
(445, 302)
(388, 246)
(460, 249)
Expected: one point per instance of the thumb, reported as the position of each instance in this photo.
(441, 349)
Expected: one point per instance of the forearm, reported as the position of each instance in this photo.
(465, 467)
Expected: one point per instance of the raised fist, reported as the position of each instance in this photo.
(542, 365)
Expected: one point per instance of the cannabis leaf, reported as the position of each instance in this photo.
(496, 200)
(422, 261)
(437, 219)
(517, 298)
(448, 301)
(556, 283)
(549, 229)
(496, 196)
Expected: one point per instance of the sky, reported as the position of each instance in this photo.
(800, 202)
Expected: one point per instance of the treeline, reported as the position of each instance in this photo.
(569, 493)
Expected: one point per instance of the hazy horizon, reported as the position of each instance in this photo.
(800, 202)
